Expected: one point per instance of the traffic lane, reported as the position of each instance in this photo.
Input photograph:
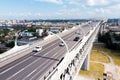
(31, 67)
(16, 62)
(28, 60)
(44, 52)
(16, 69)
(13, 63)
(87, 28)
(21, 66)
(65, 37)
(19, 60)
(59, 53)
(47, 56)
(40, 74)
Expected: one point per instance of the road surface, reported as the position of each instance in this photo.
(36, 64)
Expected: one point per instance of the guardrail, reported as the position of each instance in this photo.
(47, 77)
(12, 50)
(55, 68)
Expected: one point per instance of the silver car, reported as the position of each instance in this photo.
(61, 44)
(37, 48)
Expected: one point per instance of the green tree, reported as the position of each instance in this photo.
(10, 44)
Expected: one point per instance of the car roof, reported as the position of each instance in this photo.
(38, 46)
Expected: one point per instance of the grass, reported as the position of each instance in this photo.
(98, 56)
(96, 71)
(115, 54)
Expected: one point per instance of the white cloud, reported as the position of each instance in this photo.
(74, 2)
(98, 2)
(52, 1)
(93, 2)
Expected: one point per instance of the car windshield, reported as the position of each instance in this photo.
(37, 47)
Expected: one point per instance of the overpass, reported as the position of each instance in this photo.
(52, 62)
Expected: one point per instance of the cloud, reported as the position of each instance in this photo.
(52, 1)
(21, 15)
(98, 2)
(94, 3)
(73, 13)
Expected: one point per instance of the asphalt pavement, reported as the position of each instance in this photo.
(36, 64)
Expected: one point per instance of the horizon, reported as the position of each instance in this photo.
(58, 9)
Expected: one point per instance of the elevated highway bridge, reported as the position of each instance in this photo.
(53, 62)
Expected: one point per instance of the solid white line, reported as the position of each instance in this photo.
(29, 74)
(15, 65)
(45, 66)
(55, 53)
(40, 66)
(28, 65)
(25, 59)
(39, 71)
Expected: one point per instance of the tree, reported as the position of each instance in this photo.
(10, 44)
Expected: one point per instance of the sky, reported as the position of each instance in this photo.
(59, 9)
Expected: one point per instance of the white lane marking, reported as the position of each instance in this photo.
(46, 64)
(52, 56)
(29, 65)
(39, 71)
(52, 44)
(40, 66)
(30, 57)
(29, 74)
(15, 65)
(25, 59)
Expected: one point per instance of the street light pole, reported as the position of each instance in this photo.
(60, 39)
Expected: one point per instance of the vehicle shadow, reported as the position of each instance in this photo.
(46, 57)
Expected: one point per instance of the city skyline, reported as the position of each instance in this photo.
(59, 9)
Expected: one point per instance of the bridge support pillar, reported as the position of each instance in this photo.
(86, 63)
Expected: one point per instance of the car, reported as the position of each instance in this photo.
(37, 48)
(76, 39)
(61, 44)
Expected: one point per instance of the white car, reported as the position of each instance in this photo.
(61, 44)
(37, 48)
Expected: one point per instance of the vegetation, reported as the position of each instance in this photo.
(96, 71)
(2, 50)
(115, 54)
(102, 57)
(11, 44)
(107, 39)
(116, 36)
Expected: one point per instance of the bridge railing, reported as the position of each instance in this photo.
(73, 48)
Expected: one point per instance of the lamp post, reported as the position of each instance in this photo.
(17, 38)
(81, 30)
(60, 39)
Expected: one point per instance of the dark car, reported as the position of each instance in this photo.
(76, 39)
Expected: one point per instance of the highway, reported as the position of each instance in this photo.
(35, 65)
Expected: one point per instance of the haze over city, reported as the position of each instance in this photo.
(59, 9)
